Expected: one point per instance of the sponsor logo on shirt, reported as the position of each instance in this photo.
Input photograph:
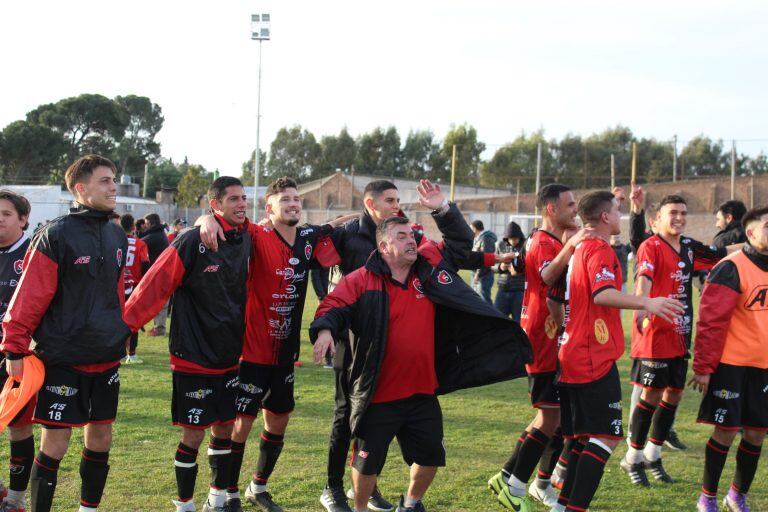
(232, 383)
(280, 328)
(18, 266)
(211, 268)
(604, 275)
(293, 261)
(113, 379)
(646, 265)
(289, 378)
(601, 331)
(305, 232)
(444, 277)
(82, 260)
(62, 390)
(615, 405)
(282, 308)
(655, 364)
(199, 394)
(726, 394)
(758, 299)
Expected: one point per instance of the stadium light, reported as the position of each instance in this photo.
(261, 30)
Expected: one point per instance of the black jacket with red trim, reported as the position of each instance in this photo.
(70, 297)
(209, 294)
(475, 344)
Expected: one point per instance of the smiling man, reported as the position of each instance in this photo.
(70, 299)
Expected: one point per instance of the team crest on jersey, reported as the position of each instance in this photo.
(308, 251)
(417, 285)
(18, 266)
(119, 257)
(601, 331)
(444, 277)
(690, 255)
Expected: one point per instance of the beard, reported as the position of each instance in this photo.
(292, 222)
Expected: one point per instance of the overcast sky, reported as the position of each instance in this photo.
(661, 68)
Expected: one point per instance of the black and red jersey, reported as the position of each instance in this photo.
(277, 287)
(70, 296)
(670, 273)
(11, 266)
(136, 263)
(209, 296)
(540, 249)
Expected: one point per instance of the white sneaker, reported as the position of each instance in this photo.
(546, 496)
(184, 506)
(558, 508)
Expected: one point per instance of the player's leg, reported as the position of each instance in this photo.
(54, 441)
(589, 473)
(22, 455)
(185, 465)
(662, 422)
(715, 455)
(220, 442)
(333, 497)
(652, 376)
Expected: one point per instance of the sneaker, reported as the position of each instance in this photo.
(334, 500)
(516, 503)
(673, 442)
(558, 477)
(135, 359)
(707, 504)
(735, 501)
(658, 472)
(547, 496)
(210, 508)
(497, 482)
(153, 333)
(636, 472)
(418, 507)
(233, 505)
(263, 500)
(376, 502)
(9, 507)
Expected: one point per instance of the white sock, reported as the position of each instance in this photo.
(409, 502)
(256, 488)
(16, 498)
(652, 452)
(83, 508)
(634, 456)
(516, 486)
(217, 497)
(184, 506)
(233, 495)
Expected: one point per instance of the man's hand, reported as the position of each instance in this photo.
(572, 237)
(618, 193)
(507, 257)
(15, 368)
(699, 382)
(266, 223)
(342, 220)
(323, 343)
(210, 232)
(637, 197)
(666, 308)
(430, 195)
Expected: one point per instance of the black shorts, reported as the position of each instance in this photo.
(417, 422)
(199, 401)
(737, 397)
(71, 398)
(543, 390)
(265, 387)
(593, 409)
(660, 373)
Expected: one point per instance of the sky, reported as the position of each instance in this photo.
(661, 68)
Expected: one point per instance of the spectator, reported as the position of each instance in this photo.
(485, 242)
(155, 238)
(511, 283)
(622, 252)
(731, 232)
(178, 225)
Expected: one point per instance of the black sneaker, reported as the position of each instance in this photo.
(233, 505)
(636, 473)
(334, 500)
(658, 472)
(263, 500)
(376, 502)
(673, 442)
(418, 507)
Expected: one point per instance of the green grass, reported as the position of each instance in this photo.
(481, 426)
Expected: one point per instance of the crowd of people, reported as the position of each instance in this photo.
(400, 326)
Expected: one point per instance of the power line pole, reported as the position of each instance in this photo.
(674, 158)
(733, 169)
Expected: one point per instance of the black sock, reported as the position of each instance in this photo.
(186, 471)
(550, 457)
(509, 466)
(235, 463)
(714, 461)
(566, 453)
(43, 482)
(93, 477)
(570, 475)
(133, 343)
(530, 454)
(270, 446)
(640, 423)
(662, 422)
(219, 457)
(590, 472)
(746, 465)
(22, 455)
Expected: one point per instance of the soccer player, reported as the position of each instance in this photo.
(281, 256)
(545, 261)
(730, 363)
(14, 215)
(410, 302)
(590, 389)
(206, 338)
(136, 265)
(70, 299)
(665, 262)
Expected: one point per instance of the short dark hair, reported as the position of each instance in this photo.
(377, 187)
(140, 223)
(152, 219)
(594, 204)
(549, 194)
(734, 208)
(279, 185)
(478, 224)
(81, 169)
(127, 222)
(383, 227)
(219, 187)
(753, 215)
(19, 202)
(672, 199)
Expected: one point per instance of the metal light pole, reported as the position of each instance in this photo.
(260, 31)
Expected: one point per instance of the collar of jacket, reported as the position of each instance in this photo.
(734, 225)
(378, 266)
(154, 229)
(84, 212)
(231, 233)
(366, 226)
(761, 260)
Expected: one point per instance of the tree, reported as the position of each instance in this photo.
(30, 153)
(703, 157)
(756, 165)
(369, 147)
(294, 152)
(193, 184)
(336, 152)
(90, 123)
(468, 150)
(137, 144)
(518, 160)
(417, 156)
(246, 170)
(389, 162)
(162, 173)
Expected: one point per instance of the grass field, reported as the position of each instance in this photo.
(481, 426)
